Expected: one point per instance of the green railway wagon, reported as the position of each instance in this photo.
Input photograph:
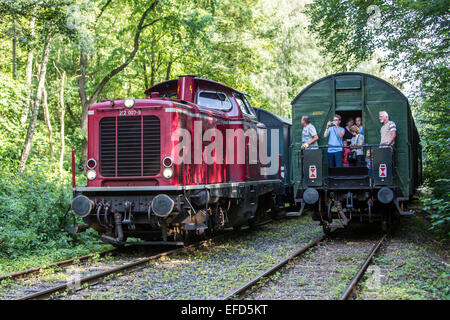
(377, 192)
(273, 121)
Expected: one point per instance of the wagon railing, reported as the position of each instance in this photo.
(298, 153)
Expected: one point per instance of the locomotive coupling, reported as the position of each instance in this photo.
(311, 196)
(162, 205)
(385, 195)
(119, 231)
(82, 206)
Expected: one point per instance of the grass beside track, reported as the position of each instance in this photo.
(413, 266)
(37, 259)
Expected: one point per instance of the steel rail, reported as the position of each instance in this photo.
(241, 290)
(89, 279)
(362, 269)
(98, 276)
(63, 263)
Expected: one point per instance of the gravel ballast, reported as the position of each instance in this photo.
(209, 272)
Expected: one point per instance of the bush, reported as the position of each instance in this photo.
(438, 204)
(32, 208)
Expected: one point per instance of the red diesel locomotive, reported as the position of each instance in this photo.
(140, 184)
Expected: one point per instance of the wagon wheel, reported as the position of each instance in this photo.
(317, 214)
(389, 221)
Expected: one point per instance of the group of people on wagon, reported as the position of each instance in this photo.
(345, 144)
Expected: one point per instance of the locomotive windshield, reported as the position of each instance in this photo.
(214, 100)
(244, 104)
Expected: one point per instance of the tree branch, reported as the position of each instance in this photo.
(140, 28)
(102, 10)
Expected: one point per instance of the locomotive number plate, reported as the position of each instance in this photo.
(132, 112)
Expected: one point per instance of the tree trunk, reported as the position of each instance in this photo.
(48, 123)
(169, 70)
(35, 111)
(145, 76)
(29, 75)
(152, 70)
(61, 120)
(85, 101)
(14, 42)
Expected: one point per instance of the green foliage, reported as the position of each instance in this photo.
(12, 98)
(31, 213)
(441, 208)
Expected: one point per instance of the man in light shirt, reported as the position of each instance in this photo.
(309, 134)
(334, 132)
(388, 131)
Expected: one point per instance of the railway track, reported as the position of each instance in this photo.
(246, 287)
(64, 263)
(75, 284)
(47, 293)
(361, 270)
(242, 291)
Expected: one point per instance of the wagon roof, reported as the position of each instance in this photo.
(348, 74)
(158, 86)
(279, 118)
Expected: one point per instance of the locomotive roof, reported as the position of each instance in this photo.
(168, 83)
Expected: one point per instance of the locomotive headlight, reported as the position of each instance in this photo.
(129, 103)
(167, 173)
(91, 164)
(91, 174)
(167, 162)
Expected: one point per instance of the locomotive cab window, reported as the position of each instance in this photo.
(214, 100)
(244, 105)
(249, 107)
(170, 95)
